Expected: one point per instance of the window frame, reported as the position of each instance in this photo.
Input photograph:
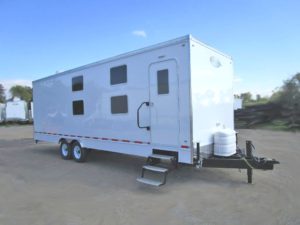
(113, 112)
(74, 89)
(73, 107)
(166, 88)
(113, 73)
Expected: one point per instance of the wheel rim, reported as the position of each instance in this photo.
(64, 149)
(77, 152)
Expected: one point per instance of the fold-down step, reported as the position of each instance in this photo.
(165, 157)
(155, 168)
(149, 181)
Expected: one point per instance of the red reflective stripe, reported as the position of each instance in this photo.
(105, 139)
(184, 146)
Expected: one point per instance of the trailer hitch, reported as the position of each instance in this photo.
(241, 161)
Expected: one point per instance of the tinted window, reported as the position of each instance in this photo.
(77, 83)
(118, 75)
(119, 104)
(78, 107)
(163, 82)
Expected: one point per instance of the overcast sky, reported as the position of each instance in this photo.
(38, 38)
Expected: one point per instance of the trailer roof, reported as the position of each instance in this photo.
(135, 52)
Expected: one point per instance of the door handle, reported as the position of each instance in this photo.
(138, 115)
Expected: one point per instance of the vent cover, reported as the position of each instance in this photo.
(215, 62)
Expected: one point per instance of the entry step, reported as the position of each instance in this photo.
(165, 157)
(149, 181)
(155, 168)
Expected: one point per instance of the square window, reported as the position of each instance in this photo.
(78, 107)
(118, 75)
(163, 82)
(119, 104)
(77, 83)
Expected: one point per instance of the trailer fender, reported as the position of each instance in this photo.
(71, 141)
(61, 140)
(82, 144)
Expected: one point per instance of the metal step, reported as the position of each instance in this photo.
(165, 157)
(149, 181)
(155, 168)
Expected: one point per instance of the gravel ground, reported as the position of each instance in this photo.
(37, 187)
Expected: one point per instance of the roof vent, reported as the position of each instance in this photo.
(215, 62)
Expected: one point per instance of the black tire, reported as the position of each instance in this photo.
(65, 150)
(79, 154)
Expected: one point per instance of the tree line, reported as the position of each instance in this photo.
(288, 95)
(282, 107)
(23, 92)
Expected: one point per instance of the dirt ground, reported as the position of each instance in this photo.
(37, 187)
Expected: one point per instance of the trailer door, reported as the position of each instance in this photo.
(164, 106)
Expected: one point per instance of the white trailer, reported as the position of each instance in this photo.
(163, 102)
(2, 111)
(16, 110)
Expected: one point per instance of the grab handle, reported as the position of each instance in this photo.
(138, 116)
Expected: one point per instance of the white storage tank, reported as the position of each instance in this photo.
(224, 142)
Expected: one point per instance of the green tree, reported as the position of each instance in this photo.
(288, 97)
(289, 93)
(275, 95)
(258, 97)
(2, 94)
(23, 92)
(247, 97)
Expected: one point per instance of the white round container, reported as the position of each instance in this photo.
(224, 142)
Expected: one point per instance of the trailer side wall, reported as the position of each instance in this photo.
(98, 128)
